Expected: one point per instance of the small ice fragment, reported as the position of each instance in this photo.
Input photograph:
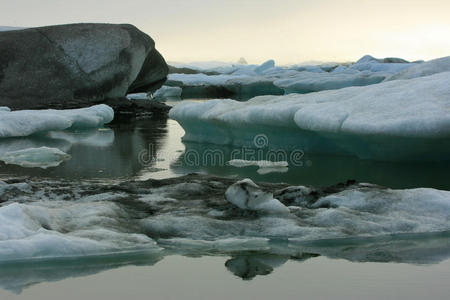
(138, 96)
(264, 171)
(260, 163)
(265, 166)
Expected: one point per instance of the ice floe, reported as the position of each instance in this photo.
(28, 122)
(189, 215)
(43, 157)
(394, 120)
(43, 230)
(265, 166)
(260, 163)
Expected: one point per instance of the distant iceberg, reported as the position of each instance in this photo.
(424, 69)
(246, 81)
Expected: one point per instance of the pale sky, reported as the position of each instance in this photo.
(288, 31)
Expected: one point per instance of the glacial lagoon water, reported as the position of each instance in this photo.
(179, 277)
(393, 267)
(147, 149)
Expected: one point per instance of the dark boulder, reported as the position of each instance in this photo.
(76, 64)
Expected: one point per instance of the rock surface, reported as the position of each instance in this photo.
(71, 65)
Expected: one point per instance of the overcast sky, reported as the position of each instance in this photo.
(288, 31)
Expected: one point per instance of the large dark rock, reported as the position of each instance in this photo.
(79, 64)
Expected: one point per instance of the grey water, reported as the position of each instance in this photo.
(148, 148)
(180, 277)
(152, 149)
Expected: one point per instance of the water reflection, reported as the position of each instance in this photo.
(249, 266)
(424, 249)
(111, 152)
(316, 170)
(116, 152)
(18, 276)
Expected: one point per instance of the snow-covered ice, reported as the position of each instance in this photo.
(394, 120)
(43, 157)
(28, 122)
(431, 67)
(55, 219)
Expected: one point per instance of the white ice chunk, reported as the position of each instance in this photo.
(42, 157)
(246, 194)
(27, 122)
(260, 163)
(372, 211)
(138, 96)
(265, 166)
(4, 108)
(268, 170)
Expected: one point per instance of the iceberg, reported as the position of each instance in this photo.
(28, 122)
(43, 157)
(394, 120)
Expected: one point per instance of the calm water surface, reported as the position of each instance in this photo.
(178, 277)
